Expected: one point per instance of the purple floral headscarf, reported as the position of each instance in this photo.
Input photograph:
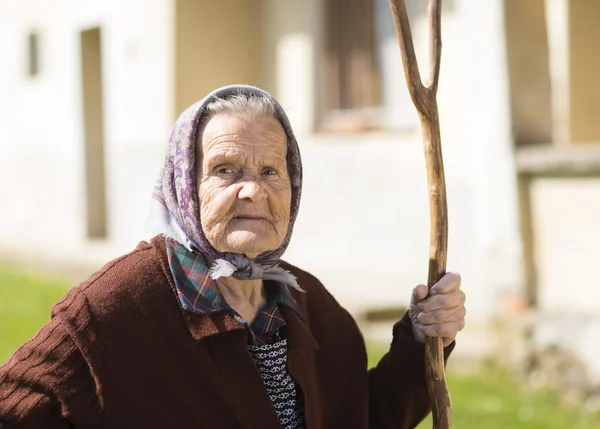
(175, 210)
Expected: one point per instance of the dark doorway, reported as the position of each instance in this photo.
(93, 118)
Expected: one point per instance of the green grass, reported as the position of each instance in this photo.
(491, 400)
(25, 303)
(488, 400)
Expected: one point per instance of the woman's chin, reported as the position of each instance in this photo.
(249, 243)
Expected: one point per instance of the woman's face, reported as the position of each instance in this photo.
(243, 183)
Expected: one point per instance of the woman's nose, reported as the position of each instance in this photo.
(252, 189)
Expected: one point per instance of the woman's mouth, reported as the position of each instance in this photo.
(250, 217)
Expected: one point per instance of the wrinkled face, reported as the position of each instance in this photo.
(243, 183)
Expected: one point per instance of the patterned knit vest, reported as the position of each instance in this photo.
(270, 359)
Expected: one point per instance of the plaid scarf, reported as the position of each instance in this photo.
(198, 293)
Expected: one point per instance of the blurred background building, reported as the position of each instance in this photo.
(89, 92)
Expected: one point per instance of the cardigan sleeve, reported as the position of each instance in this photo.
(47, 383)
(397, 389)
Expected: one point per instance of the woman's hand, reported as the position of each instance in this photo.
(442, 313)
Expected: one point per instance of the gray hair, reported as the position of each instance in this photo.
(252, 105)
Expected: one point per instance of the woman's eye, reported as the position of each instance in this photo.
(270, 172)
(224, 170)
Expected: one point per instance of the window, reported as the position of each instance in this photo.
(362, 79)
(33, 54)
(351, 76)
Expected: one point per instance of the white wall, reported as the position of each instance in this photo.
(474, 108)
(566, 215)
(566, 236)
(290, 55)
(362, 228)
(140, 110)
(41, 134)
(41, 128)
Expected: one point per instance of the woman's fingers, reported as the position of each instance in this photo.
(442, 312)
(447, 331)
(442, 316)
(444, 301)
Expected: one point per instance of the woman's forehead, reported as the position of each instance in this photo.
(235, 134)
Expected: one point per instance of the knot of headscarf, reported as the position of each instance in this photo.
(243, 268)
(175, 211)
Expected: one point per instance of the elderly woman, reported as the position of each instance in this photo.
(204, 326)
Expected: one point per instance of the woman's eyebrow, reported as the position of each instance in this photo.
(222, 158)
(275, 160)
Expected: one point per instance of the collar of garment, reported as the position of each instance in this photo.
(199, 293)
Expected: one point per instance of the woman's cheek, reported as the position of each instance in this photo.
(213, 226)
(281, 214)
(208, 214)
(215, 204)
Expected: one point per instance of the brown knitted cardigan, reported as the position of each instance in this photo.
(120, 352)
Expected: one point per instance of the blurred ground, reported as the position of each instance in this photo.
(25, 303)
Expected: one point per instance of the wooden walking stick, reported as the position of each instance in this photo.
(424, 99)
